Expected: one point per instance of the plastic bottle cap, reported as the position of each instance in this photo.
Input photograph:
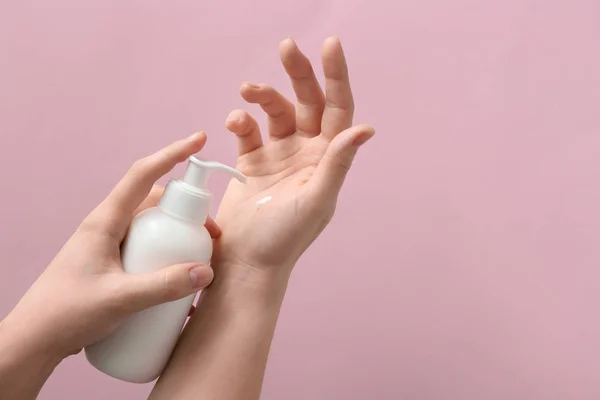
(188, 198)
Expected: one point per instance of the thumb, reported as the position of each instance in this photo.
(141, 291)
(334, 166)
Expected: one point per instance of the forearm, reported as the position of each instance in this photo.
(222, 353)
(25, 364)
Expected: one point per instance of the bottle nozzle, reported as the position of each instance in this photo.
(198, 171)
(187, 198)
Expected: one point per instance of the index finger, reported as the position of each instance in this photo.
(114, 214)
(339, 104)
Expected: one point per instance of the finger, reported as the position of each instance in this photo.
(151, 200)
(246, 129)
(114, 214)
(281, 112)
(333, 167)
(141, 291)
(309, 96)
(212, 228)
(339, 104)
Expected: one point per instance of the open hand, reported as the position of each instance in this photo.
(295, 178)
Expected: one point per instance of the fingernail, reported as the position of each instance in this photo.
(290, 39)
(363, 138)
(201, 276)
(252, 85)
(195, 135)
(235, 117)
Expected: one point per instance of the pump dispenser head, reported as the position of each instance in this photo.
(198, 172)
(188, 198)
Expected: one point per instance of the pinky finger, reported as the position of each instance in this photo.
(246, 129)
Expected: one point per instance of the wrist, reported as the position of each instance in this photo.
(25, 362)
(268, 284)
(20, 344)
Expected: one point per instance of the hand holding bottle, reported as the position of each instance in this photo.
(83, 295)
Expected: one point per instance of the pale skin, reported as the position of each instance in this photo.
(223, 351)
(83, 294)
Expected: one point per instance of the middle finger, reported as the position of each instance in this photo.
(310, 98)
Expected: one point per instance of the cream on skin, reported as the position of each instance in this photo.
(263, 201)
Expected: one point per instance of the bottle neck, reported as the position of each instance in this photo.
(185, 202)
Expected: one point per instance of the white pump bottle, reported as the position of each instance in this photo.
(171, 233)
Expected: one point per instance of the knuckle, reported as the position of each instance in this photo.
(245, 166)
(343, 105)
(170, 287)
(168, 153)
(138, 167)
(118, 296)
(340, 161)
(96, 222)
(160, 157)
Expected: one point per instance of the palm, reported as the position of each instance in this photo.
(294, 178)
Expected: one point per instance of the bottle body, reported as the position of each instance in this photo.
(140, 347)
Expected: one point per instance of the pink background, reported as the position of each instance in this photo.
(470, 271)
